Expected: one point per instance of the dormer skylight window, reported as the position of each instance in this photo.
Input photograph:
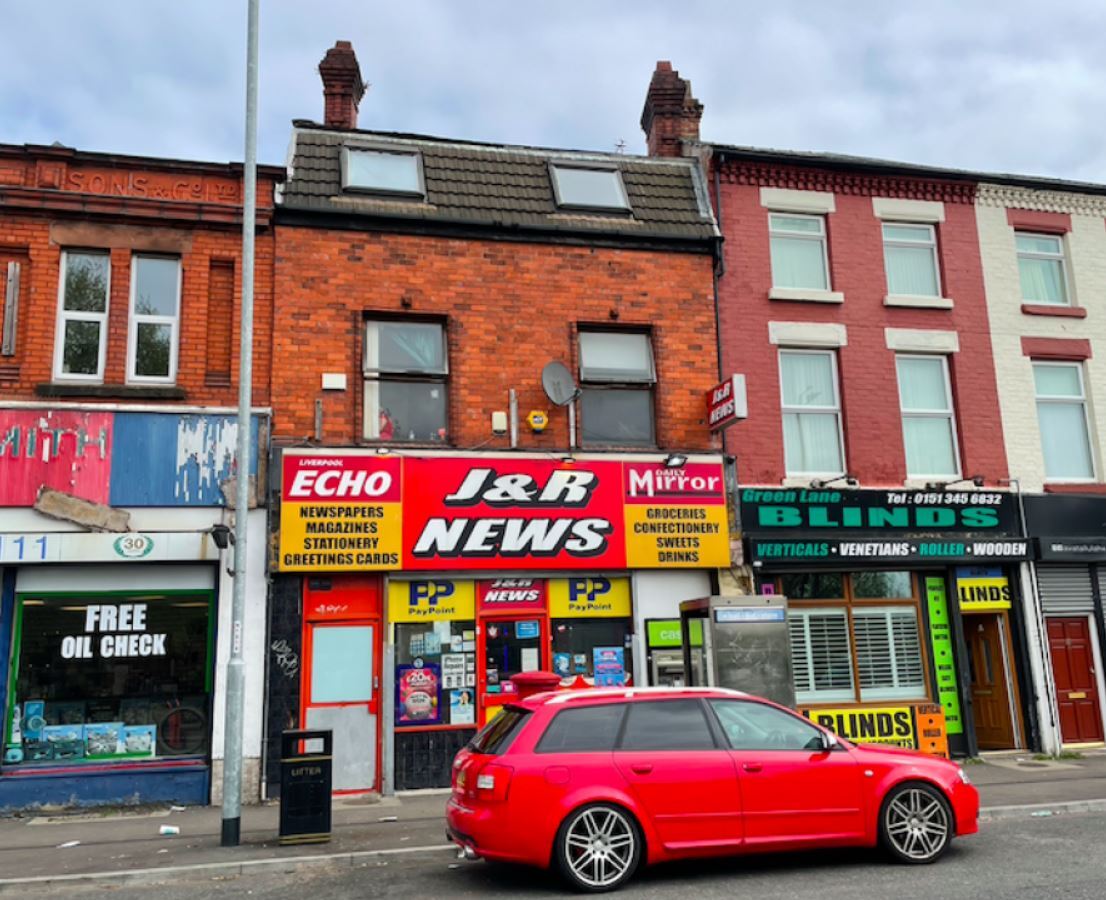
(377, 171)
(582, 187)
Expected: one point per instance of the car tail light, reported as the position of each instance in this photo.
(493, 781)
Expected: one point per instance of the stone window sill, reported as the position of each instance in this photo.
(1044, 309)
(806, 295)
(917, 302)
(112, 391)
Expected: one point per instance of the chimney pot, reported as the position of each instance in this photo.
(671, 114)
(342, 86)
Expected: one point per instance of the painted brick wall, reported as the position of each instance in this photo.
(1086, 258)
(874, 449)
(510, 308)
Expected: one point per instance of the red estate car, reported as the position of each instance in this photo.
(596, 782)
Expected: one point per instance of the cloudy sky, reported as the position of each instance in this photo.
(999, 86)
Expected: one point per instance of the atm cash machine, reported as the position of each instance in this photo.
(745, 645)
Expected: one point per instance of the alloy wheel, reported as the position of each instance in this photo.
(917, 824)
(599, 846)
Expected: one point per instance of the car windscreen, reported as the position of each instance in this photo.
(496, 736)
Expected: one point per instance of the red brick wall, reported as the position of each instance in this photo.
(870, 406)
(510, 308)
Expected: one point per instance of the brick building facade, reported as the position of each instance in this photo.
(120, 297)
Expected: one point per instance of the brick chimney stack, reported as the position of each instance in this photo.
(671, 114)
(342, 86)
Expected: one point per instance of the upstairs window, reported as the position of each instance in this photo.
(154, 320)
(811, 407)
(583, 188)
(1062, 414)
(383, 172)
(405, 370)
(617, 378)
(82, 316)
(928, 423)
(798, 246)
(910, 257)
(1041, 268)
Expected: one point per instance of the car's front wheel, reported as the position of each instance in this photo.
(915, 823)
(598, 847)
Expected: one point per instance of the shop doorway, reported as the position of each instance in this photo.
(507, 647)
(1073, 667)
(993, 701)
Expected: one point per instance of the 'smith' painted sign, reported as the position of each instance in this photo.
(364, 511)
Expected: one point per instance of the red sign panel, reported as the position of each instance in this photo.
(464, 513)
(726, 403)
(67, 450)
(341, 479)
(511, 594)
(691, 483)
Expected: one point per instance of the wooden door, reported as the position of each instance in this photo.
(1069, 644)
(994, 726)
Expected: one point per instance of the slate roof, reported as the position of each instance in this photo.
(500, 187)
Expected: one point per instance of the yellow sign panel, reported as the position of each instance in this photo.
(317, 537)
(659, 537)
(431, 599)
(983, 594)
(578, 597)
(892, 725)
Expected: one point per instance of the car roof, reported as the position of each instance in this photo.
(586, 695)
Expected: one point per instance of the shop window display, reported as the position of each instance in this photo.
(435, 673)
(110, 677)
(598, 649)
(855, 637)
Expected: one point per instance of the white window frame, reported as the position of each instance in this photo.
(896, 691)
(900, 242)
(135, 319)
(948, 413)
(804, 235)
(820, 410)
(1082, 400)
(555, 168)
(416, 193)
(65, 315)
(373, 374)
(1062, 256)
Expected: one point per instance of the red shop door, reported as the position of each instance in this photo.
(1069, 644)
(506, 647)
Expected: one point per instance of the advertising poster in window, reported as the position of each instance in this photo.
(462, 708)
(371, 512)
(417, 691)
(609, 666)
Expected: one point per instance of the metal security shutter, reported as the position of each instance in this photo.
(1065, 589)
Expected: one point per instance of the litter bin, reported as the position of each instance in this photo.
(305, 778)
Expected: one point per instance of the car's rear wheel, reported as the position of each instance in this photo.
(598, 847)
(915, 823)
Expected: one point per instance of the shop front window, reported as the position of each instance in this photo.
(597, 649)
(854, 637)
(110, 677)
(436, 673)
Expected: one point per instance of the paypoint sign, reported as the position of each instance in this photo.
(365, 512)
(420, 601)
(602, 597)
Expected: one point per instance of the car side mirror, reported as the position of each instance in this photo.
(829, 742)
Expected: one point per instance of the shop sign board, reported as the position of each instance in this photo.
(727, 403)
(813, 550)
(940, 636)
(597, 597)
(1071, 549)
(511, 594)
(119, 458)
(666, 633)
(916, 726)
(421, 601)
(26, 548)
(982, 589)
(361, 512)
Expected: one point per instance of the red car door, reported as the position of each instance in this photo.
(793, 791)
(684, 781)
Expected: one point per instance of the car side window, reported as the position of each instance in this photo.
(667, 725)
(583, 730)
(757, 726)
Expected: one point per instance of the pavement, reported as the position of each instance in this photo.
(124, 845)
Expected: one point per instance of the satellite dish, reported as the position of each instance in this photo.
(559, 385)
